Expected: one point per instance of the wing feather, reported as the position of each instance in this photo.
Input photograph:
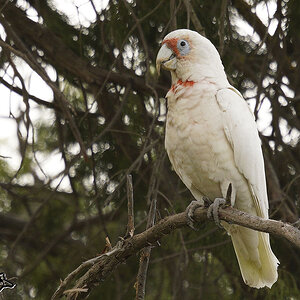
(241, 131)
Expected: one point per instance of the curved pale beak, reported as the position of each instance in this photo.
(165, 58)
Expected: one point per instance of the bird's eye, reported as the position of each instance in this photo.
(183, 47)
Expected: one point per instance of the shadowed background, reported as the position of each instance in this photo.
(102, 116)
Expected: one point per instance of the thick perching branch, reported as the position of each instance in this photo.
(105, 264)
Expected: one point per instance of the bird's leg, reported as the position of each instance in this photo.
(213, 209)
(190, 210)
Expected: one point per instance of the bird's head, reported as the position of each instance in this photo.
(189, 56)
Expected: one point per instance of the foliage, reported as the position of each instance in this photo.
(106, 120)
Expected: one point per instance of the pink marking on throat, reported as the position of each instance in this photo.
(187, 83)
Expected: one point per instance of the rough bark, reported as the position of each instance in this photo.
(106, 263)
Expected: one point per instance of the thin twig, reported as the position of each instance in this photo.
(30, 60)
(140, 284)
(128, 171)
(115, 117)
(130, 224)
(173, 15)
(222, 26)
(188, 16)
(71, 276)
(167, 26)
(194, 18)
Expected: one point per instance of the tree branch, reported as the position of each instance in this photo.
(195, 20)
(130, 224)
(60, 55)
(106, 263)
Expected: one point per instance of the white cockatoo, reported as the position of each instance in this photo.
(212, 142)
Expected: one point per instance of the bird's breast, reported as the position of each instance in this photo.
(196, 142)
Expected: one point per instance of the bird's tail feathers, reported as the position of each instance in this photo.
(257, 262)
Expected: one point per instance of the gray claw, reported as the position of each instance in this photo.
(213, 210)
(190, 210)
(228, 195)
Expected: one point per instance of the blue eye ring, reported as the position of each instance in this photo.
(183, 47)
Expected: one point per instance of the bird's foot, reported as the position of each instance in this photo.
(213, 210)
(190, 211)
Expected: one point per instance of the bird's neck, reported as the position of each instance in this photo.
(200, 73)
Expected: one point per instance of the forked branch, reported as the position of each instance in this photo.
(105, 264)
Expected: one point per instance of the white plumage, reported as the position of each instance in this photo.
(212, 140)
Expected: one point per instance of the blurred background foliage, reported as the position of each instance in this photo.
(105, 119)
